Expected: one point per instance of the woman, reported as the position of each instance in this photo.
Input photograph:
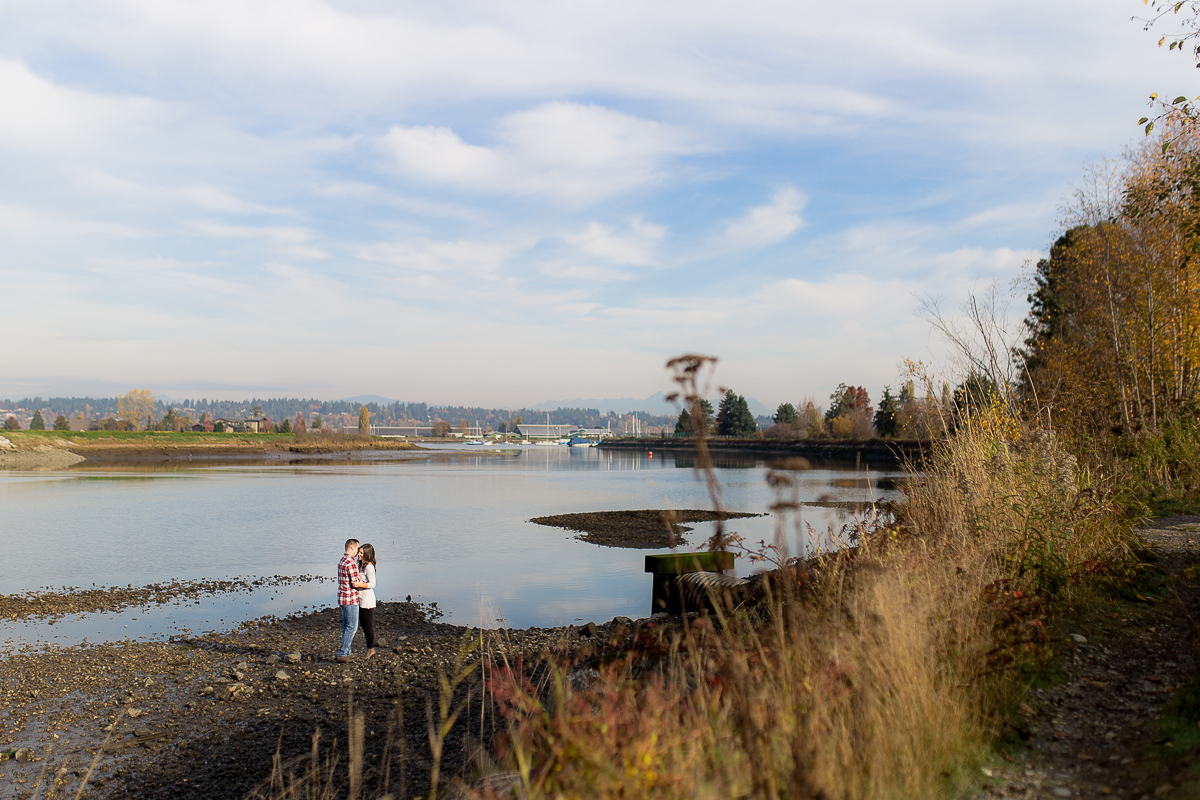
(366, 597)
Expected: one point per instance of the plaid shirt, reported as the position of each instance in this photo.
(347, 572)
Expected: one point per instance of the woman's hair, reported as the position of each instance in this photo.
(366, 554)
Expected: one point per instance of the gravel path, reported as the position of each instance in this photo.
(1101, 732)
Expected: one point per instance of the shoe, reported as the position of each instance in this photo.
(344, 659)
(370, 652)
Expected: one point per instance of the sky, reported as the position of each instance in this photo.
(495, 204)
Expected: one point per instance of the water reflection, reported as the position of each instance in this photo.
(449, 524)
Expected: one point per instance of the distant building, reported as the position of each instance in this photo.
(546, 431)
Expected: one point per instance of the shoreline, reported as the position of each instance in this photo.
(202, 717)
(874, 452)
(56, 450)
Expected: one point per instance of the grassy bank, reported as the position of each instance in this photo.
(884, 670)
(889, 668)
(96, 442)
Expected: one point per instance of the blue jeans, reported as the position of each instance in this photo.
(349, 627)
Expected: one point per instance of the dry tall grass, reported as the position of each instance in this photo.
(878, 671)
(881, 669)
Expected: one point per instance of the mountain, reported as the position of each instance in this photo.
(758, 409)
(654, 404)
(368, 398)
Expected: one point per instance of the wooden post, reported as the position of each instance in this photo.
(667, 568)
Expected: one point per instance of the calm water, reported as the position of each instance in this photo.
(450, 527)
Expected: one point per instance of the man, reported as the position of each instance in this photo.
(349, 582)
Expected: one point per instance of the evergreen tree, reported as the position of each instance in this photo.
(37, 423)
(687, 420)
(785, 414)
(885, 415)
(734, 417)
(286, 427)
(61, 423)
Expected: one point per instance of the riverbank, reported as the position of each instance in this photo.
(889, 453)
(203, 717)
(62, 449)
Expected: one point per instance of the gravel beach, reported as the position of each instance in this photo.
(203, 717)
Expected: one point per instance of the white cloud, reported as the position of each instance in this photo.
(634, 247)
(769, 224)
(568, 151)
(289, 239)
(585, 272)
(41, 115)
(480, 259)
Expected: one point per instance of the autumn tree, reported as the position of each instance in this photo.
(810, 422)
(441, 428)
(38, 423)
(364, 421)
(298, 426)
(1114, 323)
(849, 414)
(61, 423)
(11, 424)
(135, 406)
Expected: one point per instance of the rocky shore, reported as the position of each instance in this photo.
(204, 717)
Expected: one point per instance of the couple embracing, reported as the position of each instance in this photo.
(356, 596)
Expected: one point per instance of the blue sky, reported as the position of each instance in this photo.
(500, 203)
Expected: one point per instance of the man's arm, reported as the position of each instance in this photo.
(356, 578)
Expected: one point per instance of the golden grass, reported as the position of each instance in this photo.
(879, 670)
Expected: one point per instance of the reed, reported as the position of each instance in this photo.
(881, 669)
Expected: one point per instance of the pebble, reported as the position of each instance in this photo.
(282, 675)
(293, 658)
(23, 754)
(1062, 791)
(135, 712)
(1078, 638)
(273, 658)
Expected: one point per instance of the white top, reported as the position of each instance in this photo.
(366, 597)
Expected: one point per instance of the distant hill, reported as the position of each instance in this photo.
(369, 398)
(654, 404)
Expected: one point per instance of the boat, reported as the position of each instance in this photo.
(579, 440)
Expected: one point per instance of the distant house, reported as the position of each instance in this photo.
(256, 424)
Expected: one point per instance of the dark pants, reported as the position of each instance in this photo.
(366, 621)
